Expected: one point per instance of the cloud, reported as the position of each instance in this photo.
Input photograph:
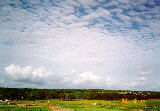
(141, 82)
(87, 79)
(142, 78)
(99, 12)
(101, 39)
(26, 74)
(39, 76)
(2, 80)
(144, 73)
(88, 3)
(123, 17)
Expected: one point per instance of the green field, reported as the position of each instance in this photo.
(82, 105)
(101, 105)
(31, 109)
(16, 108)
(6, 108)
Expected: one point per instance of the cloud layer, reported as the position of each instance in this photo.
(40, 76)
(66, 44)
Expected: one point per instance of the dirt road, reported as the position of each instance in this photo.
(57, 108)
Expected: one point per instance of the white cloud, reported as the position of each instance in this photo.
(144, 73)
(117, 10)
(81, 35)
(142, 78)
(39, 76)
(87, 3)
(26, 74)
(123, 17)
(100, 12)
(140, 82)
(87, 77)
(124, 1)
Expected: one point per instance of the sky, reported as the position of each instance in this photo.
(108, 44)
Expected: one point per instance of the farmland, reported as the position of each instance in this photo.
(81, 105)
(25, 99)
(16, 108)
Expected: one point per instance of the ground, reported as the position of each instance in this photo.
(80, 105)
(57, 108)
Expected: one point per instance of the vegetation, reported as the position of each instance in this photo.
(27, 99)
(31, 109)
(6, 108)
(15, 108)
(83, 105)
(73, 94)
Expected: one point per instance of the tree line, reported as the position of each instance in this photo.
(73, 94)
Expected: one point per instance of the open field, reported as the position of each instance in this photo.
(16, 108)
(6, 108)
(81, 105)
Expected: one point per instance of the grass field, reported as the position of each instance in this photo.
(31, 109)
(6, 108)
(16, 108)
(82, 105)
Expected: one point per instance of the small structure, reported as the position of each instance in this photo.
(124, 100)
(93, 103)
(7, 101)
(135, 101)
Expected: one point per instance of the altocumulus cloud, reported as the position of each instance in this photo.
(106, 43)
